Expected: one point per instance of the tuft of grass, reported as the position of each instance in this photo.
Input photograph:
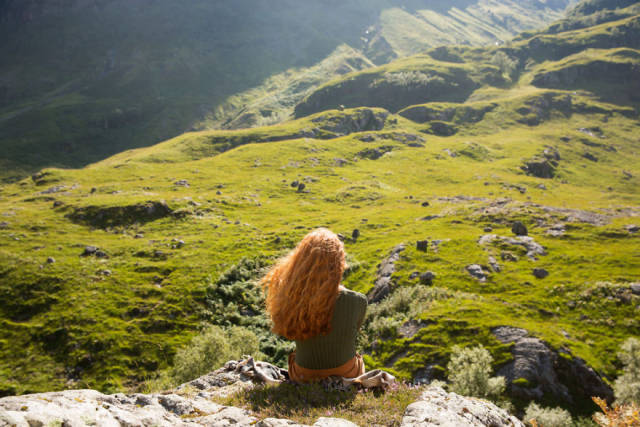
(305, 403)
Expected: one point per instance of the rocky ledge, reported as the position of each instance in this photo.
(192, 404)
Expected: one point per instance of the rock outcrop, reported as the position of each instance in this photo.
(436, 407)
(191, 405)
(537, 370)
(386, 268)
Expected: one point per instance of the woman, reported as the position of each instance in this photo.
(307, 304)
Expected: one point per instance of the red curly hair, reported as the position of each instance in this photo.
(302, 288)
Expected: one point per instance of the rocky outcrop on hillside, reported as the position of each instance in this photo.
(191, 404)
(537, 370)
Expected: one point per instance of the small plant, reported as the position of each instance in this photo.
(505, 63)
(210, 349)
(469, 373)
(625, 415)
(627, 386)
(536, 415)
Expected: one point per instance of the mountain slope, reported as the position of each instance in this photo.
(124, 74)
(106, 271)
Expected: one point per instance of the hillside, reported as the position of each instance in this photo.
(106, 271)
(85, 79)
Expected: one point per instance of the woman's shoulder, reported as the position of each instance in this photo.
(352, 297)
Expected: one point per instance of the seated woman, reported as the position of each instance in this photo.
(307, 304)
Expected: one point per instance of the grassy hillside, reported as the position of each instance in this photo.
(106, 271)
(83, 80)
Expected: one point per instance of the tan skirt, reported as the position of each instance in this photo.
(353, 368)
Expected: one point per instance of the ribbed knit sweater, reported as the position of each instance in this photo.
(338, 346)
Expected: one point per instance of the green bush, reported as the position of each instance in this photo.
(211, 349)
(547, 417)
(469, 373)
(627, 386)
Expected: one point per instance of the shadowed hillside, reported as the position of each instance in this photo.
(85, 79)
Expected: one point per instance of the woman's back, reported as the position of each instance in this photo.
(338, 346)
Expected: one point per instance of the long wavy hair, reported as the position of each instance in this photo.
(302, 288)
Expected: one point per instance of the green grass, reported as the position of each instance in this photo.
(113, 322)
(304, 404)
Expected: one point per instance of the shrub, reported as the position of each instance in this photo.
(505, 63)
(469, 373)
(210, 349)
(547, 417)
(625, 415)
(627, 386)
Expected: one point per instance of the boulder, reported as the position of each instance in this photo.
(427, 278)
(540, 273)
(540, 168)
(477, 272)
(386, 268)
(422, 245)
(436, 407)
(635, 288)
(541, 371)
(519, 229)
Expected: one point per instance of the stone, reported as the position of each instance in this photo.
(425, 204)
(436, 407)
(540, 273)
(218, 193)
(104, 272)
(632, 228)
(101, 254)
(383, 284)
(494, 265)
(635, 288)
(556, 230)
(477, 272)
(4, 225)
(540, 168)
(422, 245)
(546, 373)
(331, 422)
(590, 157)
(519, 229)
(182, 183)
(294, 184)
(414, 275)
(301, 187)
(355, 234)
(541, 187)
(488, 229)
(427, 278)
(508, 256)
(89, 250)
(51, 260)
(57, 204)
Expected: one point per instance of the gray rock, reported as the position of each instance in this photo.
(632, 228)
(414, 275)
(494, 265)
(540, 273)
(557, 230)
(424, 204)
(635, 288)
(301, 187)
(540, 168)
(436, 407)
(533, 248)
(546, 372)
(101, 254)
(51, 260)
(508, 256)
(590, 157)
(89, 250)
(182, 183)
(4, 225)
(427, 278)
(477, 272)
(386, 268)
(519, 229)
(330, 422)
(355, 234)
(422, 245)
(294, 184)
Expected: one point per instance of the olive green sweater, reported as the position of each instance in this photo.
(338, 346)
